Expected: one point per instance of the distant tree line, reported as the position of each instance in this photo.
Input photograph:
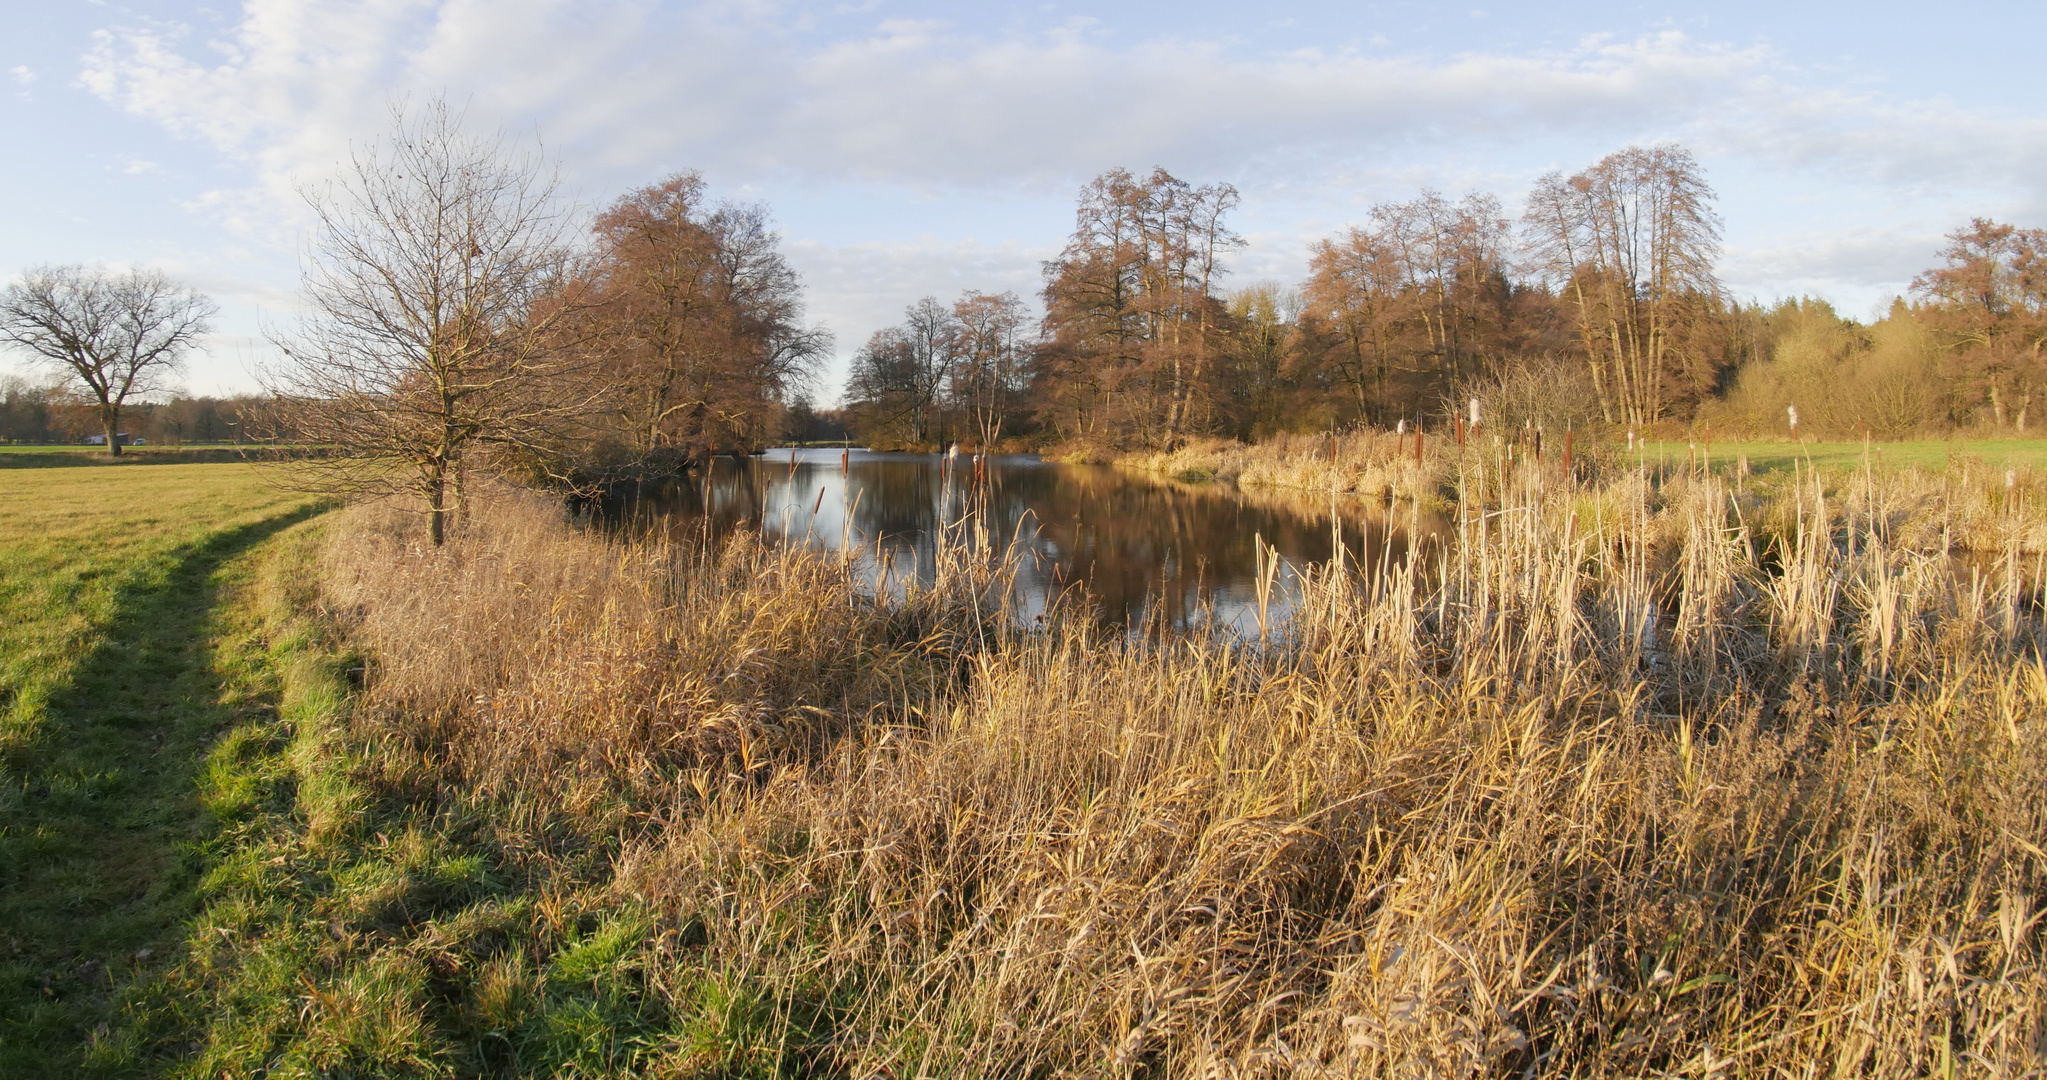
(110, 338)
(464, 321)
(1963, 351)
(946, 372)
(41, 413)
(1604, 293)
(1599, 306)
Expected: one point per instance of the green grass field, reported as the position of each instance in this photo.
(125, 651)
(72, 457)
(68, 457)
(1780, 456)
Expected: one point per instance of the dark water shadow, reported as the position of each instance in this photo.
(1137, 549)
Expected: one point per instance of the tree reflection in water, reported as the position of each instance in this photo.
(1178, 554)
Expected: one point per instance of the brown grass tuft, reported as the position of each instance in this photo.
(1638, 779)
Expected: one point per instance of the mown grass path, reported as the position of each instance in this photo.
(116, 673)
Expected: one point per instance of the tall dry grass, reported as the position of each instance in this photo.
(1374, 463)
(540, 657)
(1972, 506)
(1634, 779)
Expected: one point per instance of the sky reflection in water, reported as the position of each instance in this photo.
(1179, 553)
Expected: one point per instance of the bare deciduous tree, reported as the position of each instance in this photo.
(1989, 301)
(1264, 317)
(1130, 307)
(118, 336)
(899, 377)
(943, 371)
(436, 289)
(882, 390)
(993, 360)
(1630, 242)
(1414, 303)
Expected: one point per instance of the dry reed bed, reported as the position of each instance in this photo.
(1969, 507)
(1629, 785)
(1374, 463)
(538, 653)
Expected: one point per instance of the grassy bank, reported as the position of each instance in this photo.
(1381, 463)
(1369, 463)
(1784, 456)
(1976, 495)
(121, 659)
(1644, 781)
(82, 448)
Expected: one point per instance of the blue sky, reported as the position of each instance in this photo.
(912, 148)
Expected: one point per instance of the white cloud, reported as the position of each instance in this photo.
(1862, 268)
(1915, 147)
(627, 88)
(23, 76)
(756, 97)
(907, 103)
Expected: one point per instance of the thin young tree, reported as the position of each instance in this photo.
(118, 336)
(437, 291)
(993, 356)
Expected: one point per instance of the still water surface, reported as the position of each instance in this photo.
(1136, 548)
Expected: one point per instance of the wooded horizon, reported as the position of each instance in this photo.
(455, 299)
(1598, 307)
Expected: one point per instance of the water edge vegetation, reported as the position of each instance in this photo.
(1651, 774)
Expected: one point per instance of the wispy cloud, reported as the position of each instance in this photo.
(906, 102)
(1880, 260)
(732, 88)
(753, 93)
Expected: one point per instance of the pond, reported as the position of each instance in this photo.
(1133, 547)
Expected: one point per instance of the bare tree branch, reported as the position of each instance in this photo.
(436, 287)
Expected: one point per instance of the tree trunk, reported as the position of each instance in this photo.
(437, 506)
(110, 422)
(1599, 389)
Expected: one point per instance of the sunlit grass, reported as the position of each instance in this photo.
(113, 679)
(1660, 772)
(1783, 456)
(1650, 776)
(74, 456)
